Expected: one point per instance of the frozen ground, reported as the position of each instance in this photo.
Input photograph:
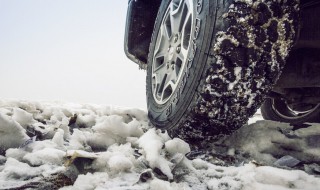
(49, 146)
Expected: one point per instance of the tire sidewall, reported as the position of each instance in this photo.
(171, 112)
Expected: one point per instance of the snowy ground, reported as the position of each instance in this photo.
(48, 146)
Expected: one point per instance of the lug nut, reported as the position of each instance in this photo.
(178, 49)
(175, 38)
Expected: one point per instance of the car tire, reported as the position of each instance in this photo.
(278, 110)
(234, 52)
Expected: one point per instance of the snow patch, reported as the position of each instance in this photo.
(110, 148)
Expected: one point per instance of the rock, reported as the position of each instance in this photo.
(2, 160)
(196, 154)
(312, 168)
(82, 160)
(145, 176)
(28, 141)
(314, 141)
(287, 161)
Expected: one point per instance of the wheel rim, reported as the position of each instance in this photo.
(282, 109)
(171, 49)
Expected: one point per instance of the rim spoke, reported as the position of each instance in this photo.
(160, 72)
(184, 51)
(163, 42)
(165, 84)
(186, 32)
(177, 16)
(165, 31)
(182, 55)
(189, 4)
(159, 78)
(180, 62)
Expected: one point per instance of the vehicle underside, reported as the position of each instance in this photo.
(299, 83)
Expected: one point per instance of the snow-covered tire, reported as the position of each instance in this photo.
(236, 51)
(278, 110)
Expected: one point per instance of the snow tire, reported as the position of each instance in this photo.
(239, 48)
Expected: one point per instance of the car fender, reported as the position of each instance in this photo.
(141, 16)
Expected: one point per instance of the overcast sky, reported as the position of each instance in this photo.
(67, 50)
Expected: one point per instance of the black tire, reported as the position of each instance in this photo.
(278, 110)
(238, 52)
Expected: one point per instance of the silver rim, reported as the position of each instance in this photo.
(294, 114)
(171, 49)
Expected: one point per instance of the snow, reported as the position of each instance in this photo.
(101, 147)
(237, 73)
(158, 184)
(15, 172)
(12, 134)
(45, 156)
(152, 143)
(22, 117)
(119, 163)
(267, 141)
(177, 145)
(89, 181)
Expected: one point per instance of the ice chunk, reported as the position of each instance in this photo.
(22, 117)
(82, 154)
(152, 144)
(115, 124)
(12, 135)
(119, 163)
(113, 129)
(18, 170)
(177, 145)
(16, 153)
(58, 138)
(86, 120)
(78, 140)
(200, 164)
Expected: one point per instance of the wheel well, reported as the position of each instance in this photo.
(141, 17)
(303, 65)
(301, 70)
(300, 79)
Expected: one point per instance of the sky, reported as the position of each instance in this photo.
(69, 51)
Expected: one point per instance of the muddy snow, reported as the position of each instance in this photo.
(71, 146)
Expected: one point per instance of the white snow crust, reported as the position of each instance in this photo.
(102, 147)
